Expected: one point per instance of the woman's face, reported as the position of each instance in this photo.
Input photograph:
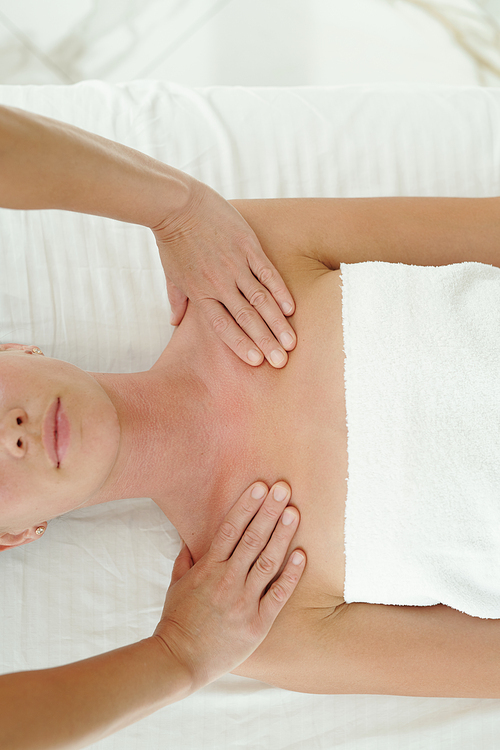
(59, 438)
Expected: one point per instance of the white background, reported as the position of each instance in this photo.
(250, 42)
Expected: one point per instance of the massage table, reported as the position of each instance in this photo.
(91, 291)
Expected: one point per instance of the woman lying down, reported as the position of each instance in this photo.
(201, 425)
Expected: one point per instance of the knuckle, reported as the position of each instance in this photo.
(209, 275)
(199, 576)
(244, 317)
(265, 564)
(240, 343)
(265, 275)
(278, 592)
(252, 539)
(271, 511)
(290, 577)
(226, 583)
(276, 324)
(228, 531)
(265, 343)
(248, 245)
(219, 324)
(246, 508)
(258, 298)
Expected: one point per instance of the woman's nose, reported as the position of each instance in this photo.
(13, 433)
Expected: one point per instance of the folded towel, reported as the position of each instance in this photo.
(422, 384)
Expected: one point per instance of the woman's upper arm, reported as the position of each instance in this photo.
(419, 651)
(387, 650)
(416, 231)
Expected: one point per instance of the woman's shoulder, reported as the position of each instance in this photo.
(286, 230)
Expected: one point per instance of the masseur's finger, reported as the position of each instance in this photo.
(270, 559)
(231, 329)
(266, 273)
(254, 541)
(281, 590)
(271, 300)
(263, 310)
(229, 537)
(271, 306)
(259, 562)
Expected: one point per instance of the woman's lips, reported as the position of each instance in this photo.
(63, 432)
(49, 433)
(56, 433)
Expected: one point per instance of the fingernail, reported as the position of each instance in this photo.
(288, 517)
(254, 355)
(287, 308)
(258, 492)
(277, 357)
(286, 339)
(297, 558)
(279, 493)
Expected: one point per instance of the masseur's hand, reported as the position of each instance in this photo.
(215, 613)
(210, 254)
(208, 251)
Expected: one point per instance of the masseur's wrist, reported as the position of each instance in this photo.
(177, 221)
(174, 676)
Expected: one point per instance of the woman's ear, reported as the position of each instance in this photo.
(24, 537)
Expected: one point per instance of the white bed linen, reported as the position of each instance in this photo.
(91, 291)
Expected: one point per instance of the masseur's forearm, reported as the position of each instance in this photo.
(45, 163)
(78, 704)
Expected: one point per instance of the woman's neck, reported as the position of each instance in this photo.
(180, 437)
(185, 432)
(167, 447)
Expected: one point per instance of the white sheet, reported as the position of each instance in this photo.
(91, 290)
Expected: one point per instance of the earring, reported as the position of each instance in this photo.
(40, 530)
(36, 350)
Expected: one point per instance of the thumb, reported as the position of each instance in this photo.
(178, 303)
(183, 563)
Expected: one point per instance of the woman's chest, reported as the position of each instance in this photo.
(290, 425)
(312, 409)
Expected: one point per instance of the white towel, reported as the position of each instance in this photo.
(422, 383)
